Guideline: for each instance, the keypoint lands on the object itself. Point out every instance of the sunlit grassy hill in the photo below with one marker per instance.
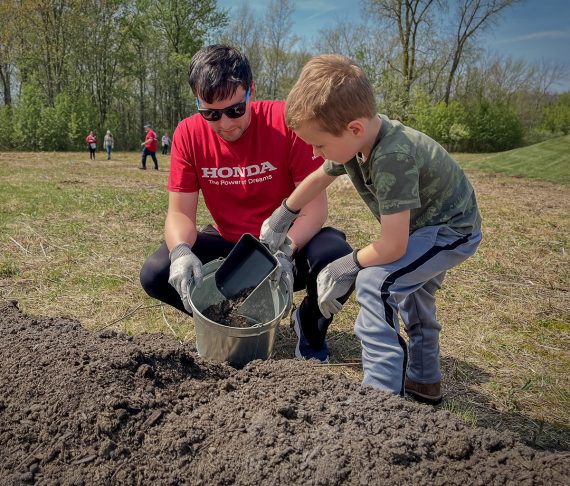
(548, 160)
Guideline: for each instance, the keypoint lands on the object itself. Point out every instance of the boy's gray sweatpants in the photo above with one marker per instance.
(408, 285)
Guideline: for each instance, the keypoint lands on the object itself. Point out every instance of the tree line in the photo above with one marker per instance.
(71, 66)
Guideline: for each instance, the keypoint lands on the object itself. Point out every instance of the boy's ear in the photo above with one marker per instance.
(356, 127)
(252, 89)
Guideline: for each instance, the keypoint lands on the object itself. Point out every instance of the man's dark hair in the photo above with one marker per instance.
(216, 71)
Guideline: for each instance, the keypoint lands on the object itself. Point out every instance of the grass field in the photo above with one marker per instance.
(548, 160)
(74, 233)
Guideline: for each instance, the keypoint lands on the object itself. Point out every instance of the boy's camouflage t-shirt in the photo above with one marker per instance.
(407, 169)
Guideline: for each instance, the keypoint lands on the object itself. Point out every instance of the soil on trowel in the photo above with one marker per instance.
(82, 408)
(226, 312)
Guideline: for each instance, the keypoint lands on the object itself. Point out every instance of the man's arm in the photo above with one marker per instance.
(393, 241)
(180, 234)
(146, 142)
(180, 225)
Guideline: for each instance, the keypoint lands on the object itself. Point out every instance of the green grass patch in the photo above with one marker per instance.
(548, 161)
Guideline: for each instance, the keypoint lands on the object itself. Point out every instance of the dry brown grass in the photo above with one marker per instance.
(73, 235)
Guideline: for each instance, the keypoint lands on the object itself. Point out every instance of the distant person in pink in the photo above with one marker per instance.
(91, 141)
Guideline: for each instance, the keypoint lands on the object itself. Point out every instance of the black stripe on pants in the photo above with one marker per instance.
(391, 279)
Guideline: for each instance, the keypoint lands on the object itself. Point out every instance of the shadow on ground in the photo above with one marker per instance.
(464, 397)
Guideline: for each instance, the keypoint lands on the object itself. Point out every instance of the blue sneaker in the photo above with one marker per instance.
(304, 349)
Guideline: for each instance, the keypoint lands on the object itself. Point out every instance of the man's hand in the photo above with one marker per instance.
(334, 281)
(285, 272)
(274, 229)
(184, 267)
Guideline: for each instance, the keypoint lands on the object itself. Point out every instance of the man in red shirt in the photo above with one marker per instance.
(149, 145)
(245, 161)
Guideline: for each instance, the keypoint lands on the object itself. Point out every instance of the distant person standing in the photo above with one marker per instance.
(109, 143)
(91, 141)
(149, 145)
(165, 143)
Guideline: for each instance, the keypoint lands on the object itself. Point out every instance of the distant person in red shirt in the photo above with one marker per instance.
(149, 145)
(91, 141)
(245, 161)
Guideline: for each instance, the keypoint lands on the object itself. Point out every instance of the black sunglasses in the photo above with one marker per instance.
(234, 111)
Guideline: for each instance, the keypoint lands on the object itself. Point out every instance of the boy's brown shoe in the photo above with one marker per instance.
(426, 393)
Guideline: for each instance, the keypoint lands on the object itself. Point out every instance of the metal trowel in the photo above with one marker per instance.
(245, 268)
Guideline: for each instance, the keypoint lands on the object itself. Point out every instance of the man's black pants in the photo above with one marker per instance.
(146, 152)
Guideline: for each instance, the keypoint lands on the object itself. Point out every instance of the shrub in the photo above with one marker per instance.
(7, 141)
(27, 117)
(444, 123)
(493, 127)
(556, 117)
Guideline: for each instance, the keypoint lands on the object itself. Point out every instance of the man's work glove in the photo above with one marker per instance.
(334, 281)
(274, 229)
(284, 271)
(185, 267)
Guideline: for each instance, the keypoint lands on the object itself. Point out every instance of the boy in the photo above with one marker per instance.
(423, 200)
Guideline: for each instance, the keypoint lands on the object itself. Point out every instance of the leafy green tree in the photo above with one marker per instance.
(445, 123)
(493, 127)
(182, 27)
(556, 117)
(82, 119)
(6, 128)
(27, 116)
(53, 130)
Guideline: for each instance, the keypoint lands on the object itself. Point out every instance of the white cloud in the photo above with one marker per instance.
(547, 34)
(315, 9)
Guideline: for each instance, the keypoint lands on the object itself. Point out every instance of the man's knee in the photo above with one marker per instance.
(155, 270)
(326, 246)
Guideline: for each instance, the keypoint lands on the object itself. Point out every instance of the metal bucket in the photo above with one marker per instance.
(264, 308)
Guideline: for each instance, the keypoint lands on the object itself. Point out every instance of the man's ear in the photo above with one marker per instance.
(356, 127)
(252, 89)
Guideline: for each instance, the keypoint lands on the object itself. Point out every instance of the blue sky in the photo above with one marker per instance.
(534, 30)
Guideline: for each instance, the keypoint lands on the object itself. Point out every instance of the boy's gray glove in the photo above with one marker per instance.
(284, 272)
(184, 267)
(334, 281)
(274, 229)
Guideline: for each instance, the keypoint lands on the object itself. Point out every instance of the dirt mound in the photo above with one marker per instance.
(84, 408)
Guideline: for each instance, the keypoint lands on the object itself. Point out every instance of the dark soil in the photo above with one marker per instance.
(85, 408)
(226, 312)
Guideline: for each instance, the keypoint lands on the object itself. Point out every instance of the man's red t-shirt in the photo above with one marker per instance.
(243, 181)
(152, 145)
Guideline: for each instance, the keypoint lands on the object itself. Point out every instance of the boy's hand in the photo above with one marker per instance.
(334, 281)
(274, 229)
(184, 267)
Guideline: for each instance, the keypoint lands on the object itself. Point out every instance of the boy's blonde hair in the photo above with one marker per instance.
(331, 91)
